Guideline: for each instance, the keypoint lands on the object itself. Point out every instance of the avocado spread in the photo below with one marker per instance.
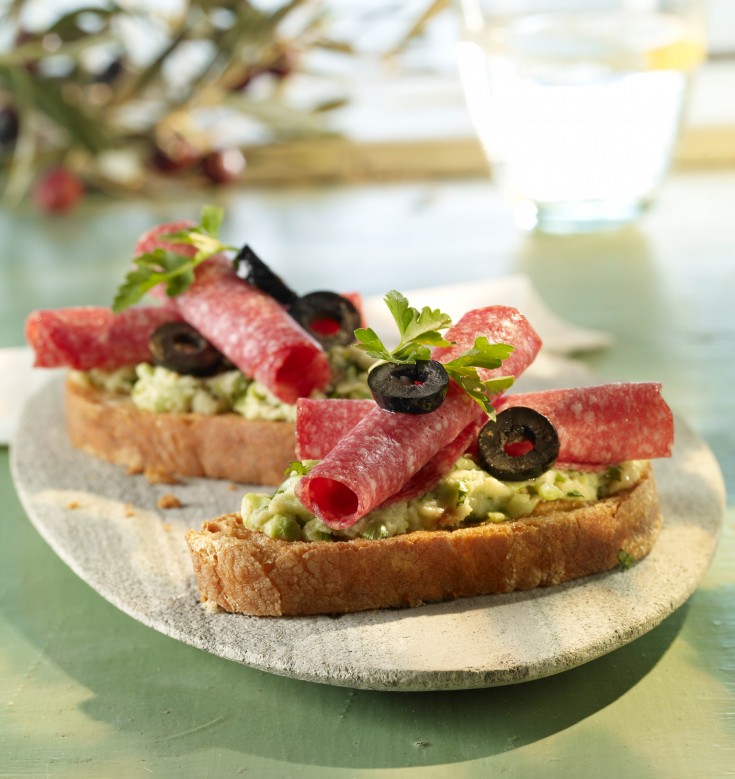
(154, 388)
(466, 496)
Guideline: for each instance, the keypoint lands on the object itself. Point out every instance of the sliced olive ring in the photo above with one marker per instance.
(179, 347)
(516, 429)
(409, 389)
(251, 268)
(328, 317)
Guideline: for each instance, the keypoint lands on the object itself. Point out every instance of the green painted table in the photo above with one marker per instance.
(85, 691)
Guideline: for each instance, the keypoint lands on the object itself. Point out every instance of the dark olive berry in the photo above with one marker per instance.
(410, 389)
(329, 317)
(179, 347)
(223, 166)
(520, 444)
(110, 73)
(8, 126)
(252, 269)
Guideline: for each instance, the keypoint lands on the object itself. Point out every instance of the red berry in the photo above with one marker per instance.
(223, 166)
(58, 190)
(177, 155)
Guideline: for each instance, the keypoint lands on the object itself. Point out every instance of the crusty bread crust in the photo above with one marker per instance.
(248, 572)
(166, 446)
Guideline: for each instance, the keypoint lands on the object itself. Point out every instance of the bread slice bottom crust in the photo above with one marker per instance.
(250, 573)
(166, 446)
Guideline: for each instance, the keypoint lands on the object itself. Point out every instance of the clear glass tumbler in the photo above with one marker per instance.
(578, 103)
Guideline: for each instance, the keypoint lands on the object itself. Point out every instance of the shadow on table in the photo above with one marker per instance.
(172, 702)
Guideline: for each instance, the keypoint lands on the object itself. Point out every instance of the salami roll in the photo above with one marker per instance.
(152, 240)
(246, 325)
(379, 455)
(500, 325)
(385, 450)
(320, 423)
(93, 337)
(439, 465)
(604, 424)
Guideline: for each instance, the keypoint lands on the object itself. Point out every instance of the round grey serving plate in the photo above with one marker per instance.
(105, 525)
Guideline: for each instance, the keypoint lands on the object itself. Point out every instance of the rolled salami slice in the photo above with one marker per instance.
(500, 325)
(321, 422)
(246, 325)
(93, 337)
(605, 424)
(439, 465)
(384, 450)
(152, 239)
(379, 455)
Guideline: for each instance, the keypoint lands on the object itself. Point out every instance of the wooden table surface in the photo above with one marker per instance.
(85, 691)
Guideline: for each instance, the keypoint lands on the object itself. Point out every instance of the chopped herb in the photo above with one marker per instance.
(420, 330)
(299, 468)
(625, 559)
(376, 530)
(166, 266)
(574, 494)
(614, 473)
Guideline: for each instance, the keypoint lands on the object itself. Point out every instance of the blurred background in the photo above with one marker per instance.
(142, 98)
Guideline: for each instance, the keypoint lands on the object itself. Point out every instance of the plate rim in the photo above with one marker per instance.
(345, 675)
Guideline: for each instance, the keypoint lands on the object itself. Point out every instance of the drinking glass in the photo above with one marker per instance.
(578, 103)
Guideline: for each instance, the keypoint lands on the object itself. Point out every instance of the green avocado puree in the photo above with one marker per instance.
(157, 389)
(466, 496)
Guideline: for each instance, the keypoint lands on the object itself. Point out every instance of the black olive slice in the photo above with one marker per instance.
(327, 316)
(179, 347)
(409, 389)
(520, 444)
(251, 268)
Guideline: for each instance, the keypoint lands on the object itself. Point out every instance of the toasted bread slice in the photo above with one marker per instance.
(165, 446)
(250, 573)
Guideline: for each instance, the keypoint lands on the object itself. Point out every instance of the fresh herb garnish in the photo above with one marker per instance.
(420, 330)
(614, 473)
(299, 468)
(166, 266)
(625, 558)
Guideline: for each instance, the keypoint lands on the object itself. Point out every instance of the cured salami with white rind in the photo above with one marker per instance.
(90, 337)
(379, 455)
(249, 327)
(321, 422)
(385, 450)
(605, 424)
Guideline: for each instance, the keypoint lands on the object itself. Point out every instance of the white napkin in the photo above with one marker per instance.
(553, 367)
(558, 336)
(19, 380)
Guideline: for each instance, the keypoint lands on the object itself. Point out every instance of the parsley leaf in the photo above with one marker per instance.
(299, 468)
(419, 326)
(625, 559)
(164, 266)
(420, 330)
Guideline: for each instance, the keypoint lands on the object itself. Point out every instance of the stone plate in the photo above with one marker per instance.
(105, 525)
